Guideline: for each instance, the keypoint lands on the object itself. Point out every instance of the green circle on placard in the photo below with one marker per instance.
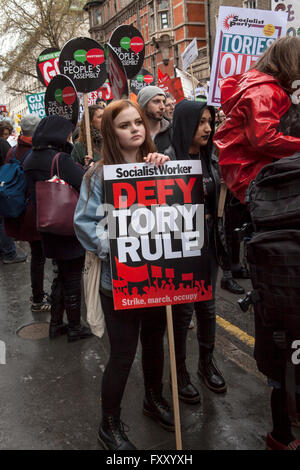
(58, 95)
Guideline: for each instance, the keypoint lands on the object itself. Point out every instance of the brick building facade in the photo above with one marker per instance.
(168, 26)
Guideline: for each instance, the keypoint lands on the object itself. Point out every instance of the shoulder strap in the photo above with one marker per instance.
(26, 154)
(55, 162)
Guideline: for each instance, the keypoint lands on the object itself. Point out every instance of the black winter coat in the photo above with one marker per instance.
(187, 116)
(50, 137)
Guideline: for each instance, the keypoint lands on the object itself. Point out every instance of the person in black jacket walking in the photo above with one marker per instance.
(51, 137)
(193, 127)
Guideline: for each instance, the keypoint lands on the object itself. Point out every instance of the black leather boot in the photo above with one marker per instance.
(78, 332)
(232, 286)
(112, 435)
(157, 408)
(57, 327)
(187, 392)
(209, 371)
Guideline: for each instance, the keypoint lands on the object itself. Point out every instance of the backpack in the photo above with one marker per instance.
(273, 254)
(274, 195)
(13, 200)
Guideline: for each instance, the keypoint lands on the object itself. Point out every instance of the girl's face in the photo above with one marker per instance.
(203, 130)
(129, 129)
(97, 118)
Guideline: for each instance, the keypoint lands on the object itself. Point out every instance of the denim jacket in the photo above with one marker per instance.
(89, 230)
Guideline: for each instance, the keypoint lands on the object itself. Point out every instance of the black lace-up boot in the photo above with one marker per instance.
(157, 408)
(209, 371)
(112, 434)
(187, 392)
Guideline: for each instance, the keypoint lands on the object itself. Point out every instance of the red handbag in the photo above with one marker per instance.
(55, 205)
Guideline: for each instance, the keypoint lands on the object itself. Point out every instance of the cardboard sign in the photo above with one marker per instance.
(129, 44)
(47, 65)
(142, 79)
(116, 74)
(61, 99)
(156, 233)
(36, 104)
(292, 10)
(242, 36)
(190, 54)
(173, 86)
(82, 60)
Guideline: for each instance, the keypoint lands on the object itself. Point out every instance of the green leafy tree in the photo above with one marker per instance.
(26, 29)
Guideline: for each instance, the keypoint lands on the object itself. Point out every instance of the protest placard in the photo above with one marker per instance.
(47, 65)
(142, 79)
(190, 54)
(129, 45)
(36, 104)
(242, 36)
(156, 233)
(116, 74)
(292, 10)
(61, 99)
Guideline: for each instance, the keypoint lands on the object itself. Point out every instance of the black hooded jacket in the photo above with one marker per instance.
(50, 137)
(186, 119)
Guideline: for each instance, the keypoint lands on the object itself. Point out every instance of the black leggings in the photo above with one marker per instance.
(123, 327)
(37, 266)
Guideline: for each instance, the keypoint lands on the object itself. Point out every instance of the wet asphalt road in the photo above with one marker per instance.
(50, 390)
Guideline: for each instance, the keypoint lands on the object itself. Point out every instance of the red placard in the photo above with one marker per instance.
(174, 87)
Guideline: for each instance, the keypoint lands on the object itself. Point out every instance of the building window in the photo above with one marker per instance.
(250, 4)
(98, 17)
(163, 4)
(164, 20)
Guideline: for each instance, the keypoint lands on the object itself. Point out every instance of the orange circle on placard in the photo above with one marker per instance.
(269, 30)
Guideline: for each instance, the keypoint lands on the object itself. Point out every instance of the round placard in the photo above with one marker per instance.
(61, 99)
(129, 44)
(142, 79)
(82, 60)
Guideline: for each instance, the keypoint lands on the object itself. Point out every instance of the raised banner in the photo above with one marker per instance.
(156, 232)
(242, 36)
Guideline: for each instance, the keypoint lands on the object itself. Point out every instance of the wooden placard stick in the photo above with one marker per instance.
(87, 125)
(174, 378)
(194, 89)
(222, 198)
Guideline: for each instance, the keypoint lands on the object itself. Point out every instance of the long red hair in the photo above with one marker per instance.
(111, 152)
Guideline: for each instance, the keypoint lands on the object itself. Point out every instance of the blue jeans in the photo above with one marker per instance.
(7, 244)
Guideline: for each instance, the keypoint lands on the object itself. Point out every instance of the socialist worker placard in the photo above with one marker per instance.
(157, 234)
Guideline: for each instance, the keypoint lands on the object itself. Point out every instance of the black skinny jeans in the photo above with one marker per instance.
(205, 313)
(66, 291)
(123, 328)
(37, 266)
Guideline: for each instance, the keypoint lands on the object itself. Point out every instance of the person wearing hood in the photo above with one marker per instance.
(253, 103)
(152, 101)
(52, 136)
(193, 128)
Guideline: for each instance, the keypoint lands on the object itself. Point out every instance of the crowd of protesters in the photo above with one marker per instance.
(154, 131)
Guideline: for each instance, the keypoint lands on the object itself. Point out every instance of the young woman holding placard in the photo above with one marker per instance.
(126, 139)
